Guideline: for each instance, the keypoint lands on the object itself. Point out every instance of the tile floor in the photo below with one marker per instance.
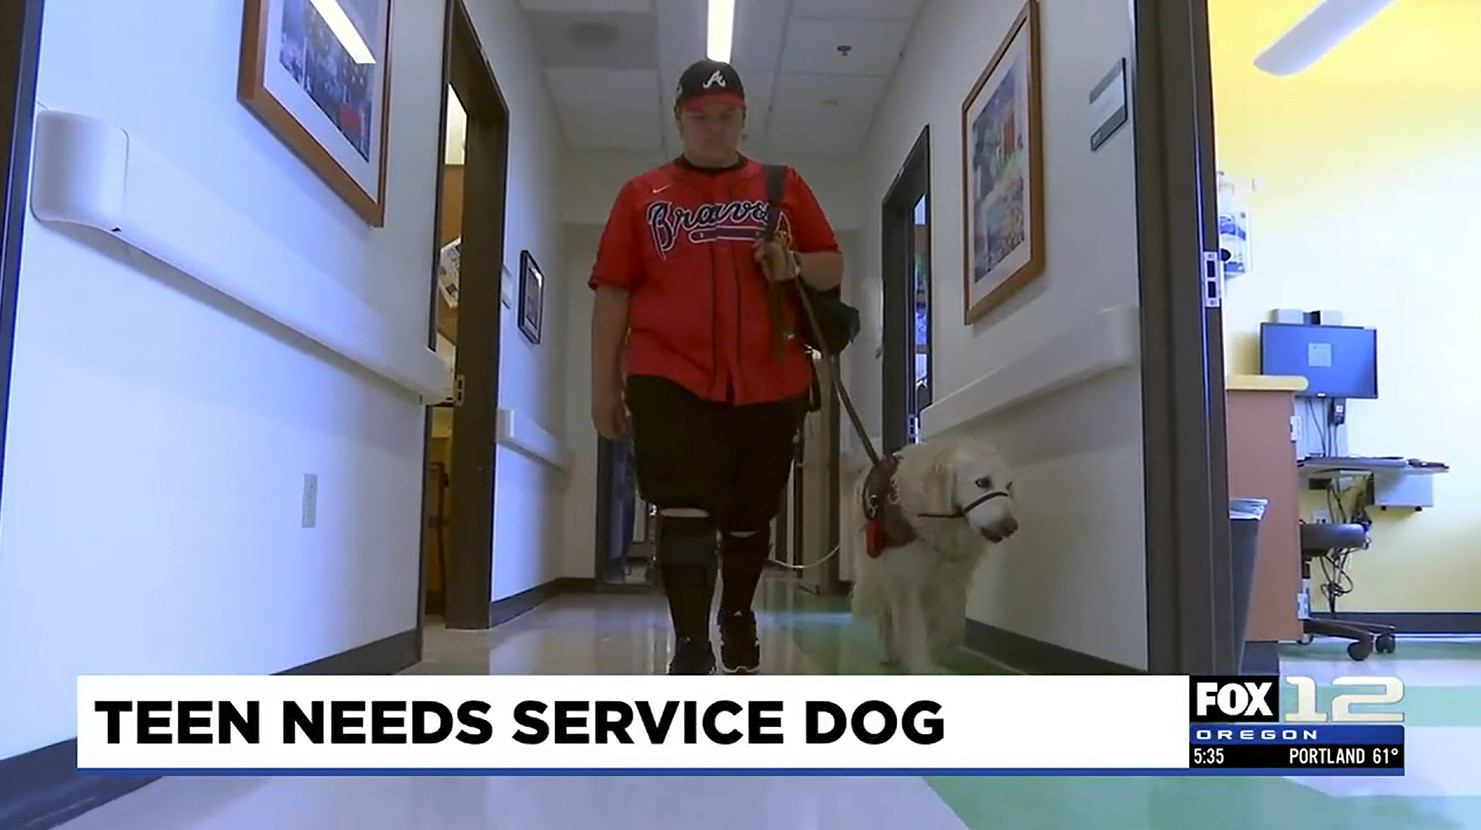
(803, 635)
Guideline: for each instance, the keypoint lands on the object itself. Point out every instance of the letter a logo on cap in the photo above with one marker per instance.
(717, 78)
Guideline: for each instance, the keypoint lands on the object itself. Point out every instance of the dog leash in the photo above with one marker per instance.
(835, 378)
(836, 381)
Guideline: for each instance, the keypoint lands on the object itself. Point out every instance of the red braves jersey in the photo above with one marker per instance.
(679, 241)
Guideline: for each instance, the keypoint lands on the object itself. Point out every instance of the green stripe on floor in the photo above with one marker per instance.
(838, 644)
(1422, 649)
(1187, 804)
(1422, 706)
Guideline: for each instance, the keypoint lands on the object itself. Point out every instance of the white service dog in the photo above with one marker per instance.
(931, 511)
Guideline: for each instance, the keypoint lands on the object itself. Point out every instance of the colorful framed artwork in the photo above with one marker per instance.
(1003, 175)
(317, 72)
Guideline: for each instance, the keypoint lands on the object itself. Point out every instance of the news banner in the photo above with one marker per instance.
(1143, 725)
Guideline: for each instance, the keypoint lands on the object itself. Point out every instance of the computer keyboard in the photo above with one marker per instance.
(1363, 461)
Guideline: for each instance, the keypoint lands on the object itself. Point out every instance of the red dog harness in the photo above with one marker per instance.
(885, 523)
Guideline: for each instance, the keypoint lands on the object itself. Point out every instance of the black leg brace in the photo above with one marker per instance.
(686, 541)
(742, 560)
(687, 558)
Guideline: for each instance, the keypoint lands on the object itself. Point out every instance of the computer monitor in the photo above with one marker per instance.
(1337, 361)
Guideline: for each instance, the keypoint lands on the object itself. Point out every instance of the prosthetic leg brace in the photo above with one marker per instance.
(686, 559)
(743, 556)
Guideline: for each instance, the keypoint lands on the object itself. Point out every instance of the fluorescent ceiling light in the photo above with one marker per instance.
(339, 23)
(721, 30)
(1317, 33)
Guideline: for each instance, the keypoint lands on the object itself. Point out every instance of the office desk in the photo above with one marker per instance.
(1261, 431)
(1262, 464)
(1396, 482)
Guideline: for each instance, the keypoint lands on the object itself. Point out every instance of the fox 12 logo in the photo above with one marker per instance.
(1256, 699)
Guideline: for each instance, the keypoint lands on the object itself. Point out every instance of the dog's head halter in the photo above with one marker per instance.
(961, 512)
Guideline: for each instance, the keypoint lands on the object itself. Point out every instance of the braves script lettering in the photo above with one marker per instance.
(737, 221)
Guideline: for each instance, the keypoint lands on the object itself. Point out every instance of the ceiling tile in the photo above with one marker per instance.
(634, 91)
(758, 34)
(681, 36)
(585, 130)
(822, 113)
(757, 38)
(607, 109)
(802, 91)
(857, 9)
(586, 5)
(840, 129)
(812, 46)
(758, 103)
(587, 40)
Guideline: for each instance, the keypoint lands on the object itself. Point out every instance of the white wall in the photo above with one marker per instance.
(1075, 574)
(158, 437)
(580, 500)
(527, 541)
(590, 182)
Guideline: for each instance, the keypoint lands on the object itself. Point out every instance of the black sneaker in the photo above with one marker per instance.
(740, 652)
(692, 656)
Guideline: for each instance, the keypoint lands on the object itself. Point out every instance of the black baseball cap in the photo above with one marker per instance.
(710, 81)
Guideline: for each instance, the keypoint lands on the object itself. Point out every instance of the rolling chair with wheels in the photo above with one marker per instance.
(1320, 540)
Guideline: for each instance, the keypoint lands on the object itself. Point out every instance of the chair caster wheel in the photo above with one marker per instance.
(1359, 649)
(1385, 643)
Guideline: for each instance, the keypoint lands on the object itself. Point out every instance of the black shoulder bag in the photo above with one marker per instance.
(831, 324)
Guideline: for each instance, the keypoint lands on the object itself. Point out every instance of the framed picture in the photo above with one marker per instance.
(531, 297)
(1234, 227)
(1003, 172)
(317, 72)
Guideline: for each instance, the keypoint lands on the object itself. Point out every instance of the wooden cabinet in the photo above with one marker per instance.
(1262, 465)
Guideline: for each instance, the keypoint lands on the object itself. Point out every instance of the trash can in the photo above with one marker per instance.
(1244, 531)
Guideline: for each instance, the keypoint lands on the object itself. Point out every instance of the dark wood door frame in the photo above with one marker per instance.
(20, 46)
(469, 589)
(616, 506)
(606, 512)
(897, 368)
(1190, 623)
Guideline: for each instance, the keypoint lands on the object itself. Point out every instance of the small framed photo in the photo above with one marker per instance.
(531, 297)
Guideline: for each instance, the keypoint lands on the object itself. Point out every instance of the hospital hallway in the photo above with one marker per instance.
(804, 634)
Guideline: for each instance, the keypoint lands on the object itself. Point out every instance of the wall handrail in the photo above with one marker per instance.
(1108, 341)
(521, 433)
(88, 172)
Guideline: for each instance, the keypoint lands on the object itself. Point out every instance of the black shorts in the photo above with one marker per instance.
(730, 461)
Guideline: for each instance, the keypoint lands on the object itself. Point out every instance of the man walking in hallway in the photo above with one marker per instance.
(717, 382)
